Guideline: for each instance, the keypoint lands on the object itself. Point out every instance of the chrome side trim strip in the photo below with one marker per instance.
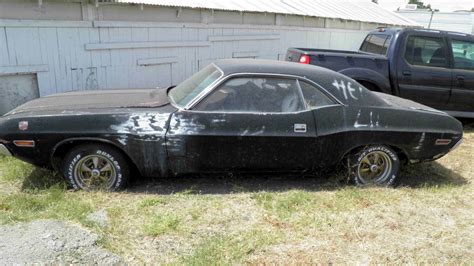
(4, 150)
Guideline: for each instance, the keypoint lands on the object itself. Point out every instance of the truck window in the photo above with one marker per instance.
(463, 53)
(426, 51)
(376, 44)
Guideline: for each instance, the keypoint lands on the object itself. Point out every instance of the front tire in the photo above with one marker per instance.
(96, 167)
(375, 165)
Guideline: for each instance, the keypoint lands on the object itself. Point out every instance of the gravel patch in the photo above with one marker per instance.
(47, 241)
(100, 218)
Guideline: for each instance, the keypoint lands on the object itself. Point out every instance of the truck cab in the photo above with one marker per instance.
(435, 68)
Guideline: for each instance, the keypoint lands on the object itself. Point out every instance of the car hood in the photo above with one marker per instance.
(95, 100)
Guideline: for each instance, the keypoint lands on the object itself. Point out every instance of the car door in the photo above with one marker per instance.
(424, 73)
(462, 96)
(246, 123)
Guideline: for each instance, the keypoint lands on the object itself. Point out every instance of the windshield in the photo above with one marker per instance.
(193, 86)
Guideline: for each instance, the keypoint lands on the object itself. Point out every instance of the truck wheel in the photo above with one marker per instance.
(95, 167)
(376, 165)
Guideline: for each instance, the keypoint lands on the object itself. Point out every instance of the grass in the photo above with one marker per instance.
(266, 220)
(227, 249)
(161, 224)
(52, 204)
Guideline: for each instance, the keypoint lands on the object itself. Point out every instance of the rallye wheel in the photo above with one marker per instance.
(376, 165)
(96, 167)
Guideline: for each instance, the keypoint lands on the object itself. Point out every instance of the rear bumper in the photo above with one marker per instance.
(457, 144)
(4, 150)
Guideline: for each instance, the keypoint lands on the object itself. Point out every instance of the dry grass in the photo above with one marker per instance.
(288, 219)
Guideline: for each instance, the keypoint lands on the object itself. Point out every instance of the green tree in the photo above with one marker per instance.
(420, 4)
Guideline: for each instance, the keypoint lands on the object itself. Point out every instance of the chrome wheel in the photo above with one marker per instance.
(375, 168)
(95, 172)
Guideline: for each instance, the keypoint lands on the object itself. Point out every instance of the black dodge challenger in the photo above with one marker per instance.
(233, 115)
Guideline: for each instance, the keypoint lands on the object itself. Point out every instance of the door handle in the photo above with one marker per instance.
(406, 73)
(300, 128)
(460, 79)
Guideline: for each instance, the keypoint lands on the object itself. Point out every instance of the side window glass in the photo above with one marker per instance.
(366, 43)
(463, 53)
(376, 44)
(386, 45)
(254, 94)
(426, 51)
(314, 97)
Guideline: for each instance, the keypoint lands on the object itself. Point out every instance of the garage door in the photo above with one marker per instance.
(16, 90)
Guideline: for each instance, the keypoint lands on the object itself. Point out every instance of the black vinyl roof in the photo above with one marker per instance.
(345, 89)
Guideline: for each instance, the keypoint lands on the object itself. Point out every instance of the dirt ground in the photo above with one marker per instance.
(47, 241)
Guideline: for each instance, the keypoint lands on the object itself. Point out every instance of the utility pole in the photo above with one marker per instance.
(431, 18)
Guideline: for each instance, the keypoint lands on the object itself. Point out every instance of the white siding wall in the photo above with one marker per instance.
(99, 52)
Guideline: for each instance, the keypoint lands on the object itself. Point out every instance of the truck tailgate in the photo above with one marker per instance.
(341, 60)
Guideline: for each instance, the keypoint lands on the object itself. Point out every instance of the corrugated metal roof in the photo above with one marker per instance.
(357, 10)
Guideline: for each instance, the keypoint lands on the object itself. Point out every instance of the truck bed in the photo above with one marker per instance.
(338, 60)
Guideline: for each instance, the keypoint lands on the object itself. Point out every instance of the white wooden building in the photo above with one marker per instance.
(56, 46)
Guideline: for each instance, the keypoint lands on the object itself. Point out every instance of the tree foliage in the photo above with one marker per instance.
(420, 4)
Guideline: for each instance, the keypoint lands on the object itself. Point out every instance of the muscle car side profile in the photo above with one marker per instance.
(233, 115)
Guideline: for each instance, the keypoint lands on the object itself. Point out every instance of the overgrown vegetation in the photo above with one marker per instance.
(261, 219)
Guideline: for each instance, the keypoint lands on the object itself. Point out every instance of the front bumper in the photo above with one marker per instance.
(4, 150)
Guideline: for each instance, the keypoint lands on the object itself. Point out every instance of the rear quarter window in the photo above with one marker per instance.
(313, 97)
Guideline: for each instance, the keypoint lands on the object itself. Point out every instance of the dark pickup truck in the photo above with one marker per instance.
(435, 68)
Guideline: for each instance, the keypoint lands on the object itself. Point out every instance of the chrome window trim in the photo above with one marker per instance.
(223, 79)
(204, 92)
(4, 150)
(300, 92)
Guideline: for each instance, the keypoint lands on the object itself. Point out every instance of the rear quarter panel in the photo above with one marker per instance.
(342, 129)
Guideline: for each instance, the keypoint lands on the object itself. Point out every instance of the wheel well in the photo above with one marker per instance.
(402, 156)
(63, 148)
(369, 85)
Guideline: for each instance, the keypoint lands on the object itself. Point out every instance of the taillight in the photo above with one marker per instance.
(304, 59)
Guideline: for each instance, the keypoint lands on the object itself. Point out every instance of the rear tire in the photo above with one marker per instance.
(95, 167)
(375, 165)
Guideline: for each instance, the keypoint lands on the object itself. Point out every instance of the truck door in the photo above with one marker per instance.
(423, 72)
(462, 95)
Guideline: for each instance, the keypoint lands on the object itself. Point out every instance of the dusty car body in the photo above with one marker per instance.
(291, 117)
